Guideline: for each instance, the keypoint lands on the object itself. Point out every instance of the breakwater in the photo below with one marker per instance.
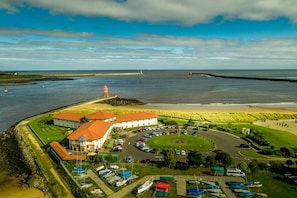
(243, 77)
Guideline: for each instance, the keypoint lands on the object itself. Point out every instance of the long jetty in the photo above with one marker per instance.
(242, 77)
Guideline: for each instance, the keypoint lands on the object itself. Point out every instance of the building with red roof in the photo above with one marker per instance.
(69, 119)
(92, 130)
(90, 136)
(102, 115)
(139, 119)
(61, 153)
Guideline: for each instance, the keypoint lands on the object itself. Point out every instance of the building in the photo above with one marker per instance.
(61, 154)
(69, 119)
(132, 120)
(92, 130)
(90, 136)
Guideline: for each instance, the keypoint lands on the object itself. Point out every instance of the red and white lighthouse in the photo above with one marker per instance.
(105, 91)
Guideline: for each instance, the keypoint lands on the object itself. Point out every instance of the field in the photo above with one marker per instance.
(182, 142)
(45, 130)
(274, 185)
(277, 138)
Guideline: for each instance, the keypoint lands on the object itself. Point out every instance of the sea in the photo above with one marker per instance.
(154, 87)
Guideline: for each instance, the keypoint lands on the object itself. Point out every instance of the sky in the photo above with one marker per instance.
(147, 34)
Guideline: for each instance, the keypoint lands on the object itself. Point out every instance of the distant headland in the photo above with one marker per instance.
(242, 77)
(15, 78)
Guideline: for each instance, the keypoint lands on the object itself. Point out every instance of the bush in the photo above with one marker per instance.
(267, 152)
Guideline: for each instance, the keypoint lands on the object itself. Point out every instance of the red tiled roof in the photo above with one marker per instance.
(101, 115)
(135, 116)
(69, 116)
(91, 130)
(63, 154)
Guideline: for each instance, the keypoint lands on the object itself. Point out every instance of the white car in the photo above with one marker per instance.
(182, 152)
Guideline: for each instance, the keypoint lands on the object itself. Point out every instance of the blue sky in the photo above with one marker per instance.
(147, 34)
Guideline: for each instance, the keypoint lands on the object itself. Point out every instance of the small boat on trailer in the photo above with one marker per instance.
(145, 186)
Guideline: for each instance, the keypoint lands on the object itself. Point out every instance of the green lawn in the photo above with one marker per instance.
(274, 185)
(253, 154)
(276, 138)
(44, 128)
(183, 142)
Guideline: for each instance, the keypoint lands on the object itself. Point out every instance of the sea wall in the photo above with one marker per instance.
(17, 160)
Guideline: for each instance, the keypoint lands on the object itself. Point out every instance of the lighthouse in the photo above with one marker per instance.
(105, 91)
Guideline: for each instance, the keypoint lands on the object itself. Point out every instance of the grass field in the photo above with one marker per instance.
(274, 185)
(47, 132)
(182, 142)
(276, 138)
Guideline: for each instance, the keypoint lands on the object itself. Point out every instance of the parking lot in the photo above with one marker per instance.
(223, 141)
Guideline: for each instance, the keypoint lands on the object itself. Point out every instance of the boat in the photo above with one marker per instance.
(5, 90)
(212, 187)
(195, 191)
(262, 194)
(239, 190)
(104, 174)
(219, 195)
(213, 190)
(256, 184)
(238, 187)
(145, 186)
(246, 194)
(234, 183)
(121, 182)
(113, 179)
(79, 170)
(99, 168)
(209, 183)
(167, 179)
(103, 171)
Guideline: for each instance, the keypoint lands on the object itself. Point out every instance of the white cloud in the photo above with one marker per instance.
(51, 33)
(186, 12)
(157, 52)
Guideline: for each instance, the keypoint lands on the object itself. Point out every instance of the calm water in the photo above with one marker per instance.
(153, 87)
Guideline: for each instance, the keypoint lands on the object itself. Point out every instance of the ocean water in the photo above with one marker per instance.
(154, 87)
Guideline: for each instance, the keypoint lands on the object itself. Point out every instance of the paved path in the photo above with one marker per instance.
(99, 182)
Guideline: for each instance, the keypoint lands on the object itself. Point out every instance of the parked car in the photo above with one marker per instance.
(245, 146)
(117, 149)
(124, 136)
(183, 152)
(177, 152)
(129, 159)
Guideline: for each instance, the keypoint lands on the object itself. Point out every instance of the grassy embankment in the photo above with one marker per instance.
(44, 161)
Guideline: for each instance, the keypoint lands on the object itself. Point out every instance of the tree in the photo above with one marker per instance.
(170, 158)
(224, 159)
(253, 165)
(289, 162)
(195, 158)
(287, 152)
(244, 167)
(210, 160)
